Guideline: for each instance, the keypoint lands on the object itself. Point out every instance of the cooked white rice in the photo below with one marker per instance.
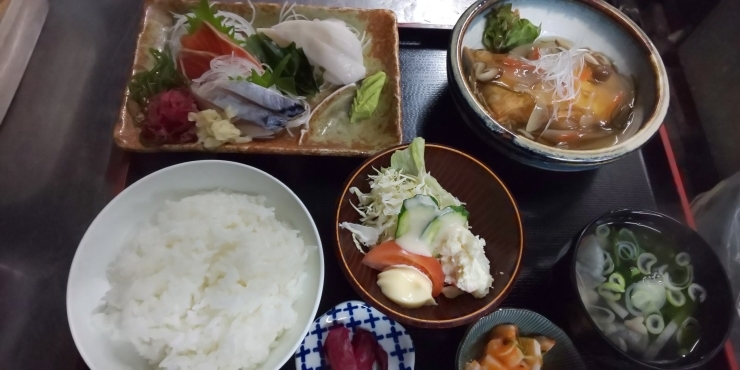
(210, 285)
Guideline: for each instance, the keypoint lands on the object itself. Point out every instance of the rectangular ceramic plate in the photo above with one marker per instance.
(322, 138)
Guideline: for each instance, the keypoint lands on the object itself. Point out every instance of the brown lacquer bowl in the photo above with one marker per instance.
(493, 215)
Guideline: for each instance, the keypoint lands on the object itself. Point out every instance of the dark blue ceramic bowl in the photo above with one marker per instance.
(594, 24)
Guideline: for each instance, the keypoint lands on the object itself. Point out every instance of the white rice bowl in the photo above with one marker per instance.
(210, 285)
(132, 301)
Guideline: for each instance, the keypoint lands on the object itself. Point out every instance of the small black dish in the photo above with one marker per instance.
(716, 313)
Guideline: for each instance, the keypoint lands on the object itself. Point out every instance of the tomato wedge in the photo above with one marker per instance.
(389, 254)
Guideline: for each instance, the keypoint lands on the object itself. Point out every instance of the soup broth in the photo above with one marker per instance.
(640, 291)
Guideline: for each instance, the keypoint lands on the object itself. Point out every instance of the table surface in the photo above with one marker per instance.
(56, 145)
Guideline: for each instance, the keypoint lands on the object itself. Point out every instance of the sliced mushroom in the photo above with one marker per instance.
(602, 58)
(591, 59)
(484, 74)
(601, 73)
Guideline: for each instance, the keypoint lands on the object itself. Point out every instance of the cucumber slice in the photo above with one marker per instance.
(450, 216)
(415, 214)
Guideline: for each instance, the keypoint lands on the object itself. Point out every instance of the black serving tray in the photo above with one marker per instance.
(554, 205)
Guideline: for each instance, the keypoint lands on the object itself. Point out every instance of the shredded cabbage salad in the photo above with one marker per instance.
(389, 187)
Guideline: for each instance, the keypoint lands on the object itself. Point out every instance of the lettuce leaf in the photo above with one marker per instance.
(505, 30)
(410, 160)
(366, 100)
(444, 198)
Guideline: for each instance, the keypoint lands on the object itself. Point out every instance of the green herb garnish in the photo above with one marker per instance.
(291, 71)
(269, 78)
(368, 95)
(505, 30)
(162, 77)
(207, 13)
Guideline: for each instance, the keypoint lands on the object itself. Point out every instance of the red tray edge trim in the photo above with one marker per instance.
(117, 171)
(685, 205)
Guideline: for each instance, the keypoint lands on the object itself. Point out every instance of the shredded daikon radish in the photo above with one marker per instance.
(365, 42)
(559, 68)
(242, 27)
(227, 67)
(254, 12)
(288, 13)
(175, 32)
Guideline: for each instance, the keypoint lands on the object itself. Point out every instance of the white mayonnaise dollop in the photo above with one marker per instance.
(406, 286)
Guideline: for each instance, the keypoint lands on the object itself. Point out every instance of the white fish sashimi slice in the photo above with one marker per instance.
(327, 43)
(264, 97)
(210, 94)
(249, 112)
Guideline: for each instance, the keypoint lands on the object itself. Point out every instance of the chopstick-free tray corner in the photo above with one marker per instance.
(382, 130)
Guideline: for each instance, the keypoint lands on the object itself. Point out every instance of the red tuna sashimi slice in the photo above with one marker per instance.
(193, 63)
(207, 38)
(381, 356)
(339, 349)
(363, 344)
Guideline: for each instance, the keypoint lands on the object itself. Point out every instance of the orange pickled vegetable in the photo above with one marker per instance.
(491, 363)
(507, 351)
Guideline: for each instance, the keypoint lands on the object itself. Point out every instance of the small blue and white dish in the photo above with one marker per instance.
(394, 339)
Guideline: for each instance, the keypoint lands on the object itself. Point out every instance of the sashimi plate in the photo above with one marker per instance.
(394, 339)
(323, 136)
